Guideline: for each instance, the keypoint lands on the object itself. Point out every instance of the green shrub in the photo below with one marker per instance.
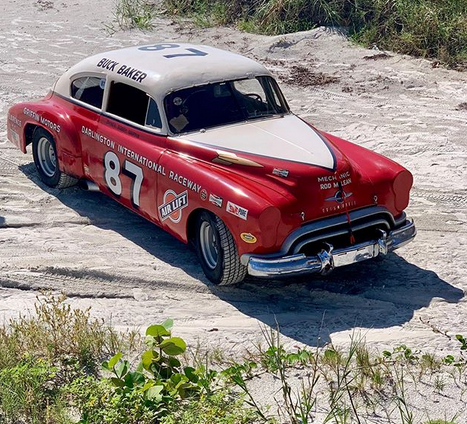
(43, 352)
(148, 393)
(218, 408)
(61, 335)
(97, 402)
(131, 14)
(427, 28)
(28, 392)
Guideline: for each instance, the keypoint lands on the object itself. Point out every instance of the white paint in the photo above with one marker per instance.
(165, 74)
(287, 138)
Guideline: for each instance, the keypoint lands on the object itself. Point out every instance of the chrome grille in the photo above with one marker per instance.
(365, 226)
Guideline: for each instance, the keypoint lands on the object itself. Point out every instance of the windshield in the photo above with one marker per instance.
(211, 105)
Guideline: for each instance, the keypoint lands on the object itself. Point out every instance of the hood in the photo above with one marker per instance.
(292, 158)
(287, 138)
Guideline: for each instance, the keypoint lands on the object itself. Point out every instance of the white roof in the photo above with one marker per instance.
(164, 67)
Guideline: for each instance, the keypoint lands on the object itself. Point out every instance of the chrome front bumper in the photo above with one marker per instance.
(328, 258)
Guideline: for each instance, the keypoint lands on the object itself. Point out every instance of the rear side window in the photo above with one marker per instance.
(89, 90)
(153, 118)
(133, 104)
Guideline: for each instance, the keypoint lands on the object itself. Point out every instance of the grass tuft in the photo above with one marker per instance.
(51, 372)
(61, 335)
(426, 28)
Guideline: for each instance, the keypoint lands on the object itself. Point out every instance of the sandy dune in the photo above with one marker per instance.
(134, 274)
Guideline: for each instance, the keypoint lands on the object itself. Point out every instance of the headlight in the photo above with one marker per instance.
(401, 187)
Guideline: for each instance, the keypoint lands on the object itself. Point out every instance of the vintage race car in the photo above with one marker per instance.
(201, 142)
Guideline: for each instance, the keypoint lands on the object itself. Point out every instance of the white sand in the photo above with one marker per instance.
(134, 274)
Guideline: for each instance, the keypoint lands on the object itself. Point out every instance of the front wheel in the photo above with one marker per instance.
(217, 251)
(46, 161)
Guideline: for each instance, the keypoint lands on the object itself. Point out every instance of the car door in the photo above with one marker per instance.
(87, 96)
(123, 154)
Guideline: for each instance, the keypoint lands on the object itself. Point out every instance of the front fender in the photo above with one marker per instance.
(391, 181)
(247, 209)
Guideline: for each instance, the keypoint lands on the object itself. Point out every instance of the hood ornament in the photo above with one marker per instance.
(228, 158)
(339, 197)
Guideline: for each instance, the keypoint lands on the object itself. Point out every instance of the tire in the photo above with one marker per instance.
(217, 251)
(45, 157)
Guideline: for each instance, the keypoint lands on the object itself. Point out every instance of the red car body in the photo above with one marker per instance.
(285, 216)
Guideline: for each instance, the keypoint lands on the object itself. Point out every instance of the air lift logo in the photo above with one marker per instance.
(173, 205)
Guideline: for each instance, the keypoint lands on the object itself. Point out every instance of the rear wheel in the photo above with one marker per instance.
(217, 251)
(44, 153)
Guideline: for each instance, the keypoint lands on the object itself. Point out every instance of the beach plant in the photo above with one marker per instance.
(29, 391)
(42, 381)
(63, 335)
(159, 378)
(426, 28)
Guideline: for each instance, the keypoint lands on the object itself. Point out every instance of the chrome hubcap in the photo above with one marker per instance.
(46, 156)
(208, 244)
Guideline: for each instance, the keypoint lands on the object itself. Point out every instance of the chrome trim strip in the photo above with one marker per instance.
(328, 258)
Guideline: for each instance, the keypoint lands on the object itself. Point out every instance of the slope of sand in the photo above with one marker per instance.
(134, 274)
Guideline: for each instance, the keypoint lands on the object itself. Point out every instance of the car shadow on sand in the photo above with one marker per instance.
(374, 294)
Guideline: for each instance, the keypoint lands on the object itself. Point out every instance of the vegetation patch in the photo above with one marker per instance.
(426, 28)
(60, 366)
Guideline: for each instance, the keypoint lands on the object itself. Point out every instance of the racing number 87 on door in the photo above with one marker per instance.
(112, 176)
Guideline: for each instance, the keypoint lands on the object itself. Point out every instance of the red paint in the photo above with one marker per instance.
(276, 205)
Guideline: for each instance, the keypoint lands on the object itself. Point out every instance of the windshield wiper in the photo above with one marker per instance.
(266, 115)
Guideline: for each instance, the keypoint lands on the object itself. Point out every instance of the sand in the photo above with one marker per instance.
(134, 274)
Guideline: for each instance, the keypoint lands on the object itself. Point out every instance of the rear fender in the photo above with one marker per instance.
(25, 118)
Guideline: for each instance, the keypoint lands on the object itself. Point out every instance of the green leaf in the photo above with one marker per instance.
(237, 379)
(113, 361)
(154, 393)
(462, 340)
(173, 362)
(148, 384)
(191, 374)
(157, 331)
(330, 354)
(177, 379)
(117, 382)
(147, 358)
(173, 346)
(133, 379)
(168, 324)
(150, 341)
(121, 369)
(449, 360)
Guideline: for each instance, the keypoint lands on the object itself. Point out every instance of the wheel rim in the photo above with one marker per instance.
(46, 156)
(208, 244)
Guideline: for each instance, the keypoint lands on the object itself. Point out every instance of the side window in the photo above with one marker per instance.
(153, 117)
(133, 104)
(249, 86)
(89, 90)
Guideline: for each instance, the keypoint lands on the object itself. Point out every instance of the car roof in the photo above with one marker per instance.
(161, 68)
